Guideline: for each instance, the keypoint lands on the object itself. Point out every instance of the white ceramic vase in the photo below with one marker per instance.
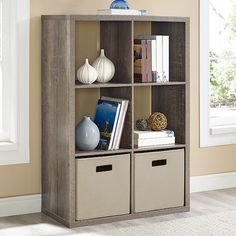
(87, 135)
(86, 74)
(104, 67)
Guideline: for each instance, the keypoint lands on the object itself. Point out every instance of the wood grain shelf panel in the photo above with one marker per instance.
(100, 152)
(159, 84)
(171, 101)
(115, 18)
(177, 45)
(161, 147)
(119, 85)
(101, 85)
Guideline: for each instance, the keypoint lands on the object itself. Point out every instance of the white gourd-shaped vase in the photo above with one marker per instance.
(86, 74)
(104, 67)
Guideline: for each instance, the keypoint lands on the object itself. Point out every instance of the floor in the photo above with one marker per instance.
(221, 203)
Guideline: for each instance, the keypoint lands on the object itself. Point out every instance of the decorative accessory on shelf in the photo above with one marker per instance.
(86, 74)
(142, 124)
(104, 67)
(87, 135)
(157, 121)
(119, 4)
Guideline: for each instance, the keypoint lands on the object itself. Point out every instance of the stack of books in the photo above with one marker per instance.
(151, 59)
(153, 138)
(110, 117)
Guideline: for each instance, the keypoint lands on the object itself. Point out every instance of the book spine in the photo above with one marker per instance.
(139, 60)
(159, 54)
(118, 125)
(153, 56)
(144, 61)
(114, 127)
(122, 125)
(165, 53)
(149, 61)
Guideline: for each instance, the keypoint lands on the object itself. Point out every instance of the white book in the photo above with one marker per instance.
(120, 12)
(159, 59)
(120, 121)
(153, 58)
(153, 134)
(114, 127)
(121, 126)
(165, 58)
(154, 141)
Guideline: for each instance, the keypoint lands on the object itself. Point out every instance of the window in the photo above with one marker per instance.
(1, 90)
(218, 72)
(14, 81)
(6, 76)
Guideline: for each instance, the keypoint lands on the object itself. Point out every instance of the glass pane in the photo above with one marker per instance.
(222, 62)
(1, 30)
(1, 99)
(1, 115)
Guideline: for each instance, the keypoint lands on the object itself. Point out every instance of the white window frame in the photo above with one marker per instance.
(15, 149)
(209, 136)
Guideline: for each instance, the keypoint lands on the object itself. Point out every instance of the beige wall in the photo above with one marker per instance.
(25, 179)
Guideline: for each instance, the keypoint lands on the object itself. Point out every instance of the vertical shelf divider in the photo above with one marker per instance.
(133, 124)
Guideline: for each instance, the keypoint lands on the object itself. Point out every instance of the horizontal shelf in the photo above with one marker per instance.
(119, 85)
(101, 85)
(116, 18)
(137, 215)
(120, 151)
(100, 152)
(161, 147)
(160, 84)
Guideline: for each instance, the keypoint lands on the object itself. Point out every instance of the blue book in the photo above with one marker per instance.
(106, 116)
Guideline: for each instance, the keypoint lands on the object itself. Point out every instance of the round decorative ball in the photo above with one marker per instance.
(87, 135)
(119, 4)
(157, 121)
(142, 124)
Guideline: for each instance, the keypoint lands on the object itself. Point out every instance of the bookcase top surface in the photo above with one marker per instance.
(115, 18)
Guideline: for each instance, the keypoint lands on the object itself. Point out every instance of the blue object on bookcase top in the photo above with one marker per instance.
(119, 4)
(105, 119)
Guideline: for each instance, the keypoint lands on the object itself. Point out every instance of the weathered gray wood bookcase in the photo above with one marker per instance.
(139, 184)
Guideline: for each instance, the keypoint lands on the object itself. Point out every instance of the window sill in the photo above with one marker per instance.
(229, 129)
(13, 153)
(7, 146)
(219, 138)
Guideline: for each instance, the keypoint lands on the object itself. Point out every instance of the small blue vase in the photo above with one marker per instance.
(119, 4)
(87, 135)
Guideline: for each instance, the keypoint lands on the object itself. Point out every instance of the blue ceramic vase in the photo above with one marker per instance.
(87, 135)
(119, 4)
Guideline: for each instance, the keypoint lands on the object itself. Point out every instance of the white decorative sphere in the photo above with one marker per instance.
(86, 74)
(104, 67)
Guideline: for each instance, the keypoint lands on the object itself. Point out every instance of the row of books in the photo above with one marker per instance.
(110, 117)
(151, 59)
(153, 138)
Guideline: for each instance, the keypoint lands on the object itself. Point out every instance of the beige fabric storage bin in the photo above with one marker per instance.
(159, 180)
(102, 186)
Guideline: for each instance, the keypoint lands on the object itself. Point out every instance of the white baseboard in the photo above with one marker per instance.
(212, 182)
(20, 205)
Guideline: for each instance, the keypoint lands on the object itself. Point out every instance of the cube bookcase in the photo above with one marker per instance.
(90, 187)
